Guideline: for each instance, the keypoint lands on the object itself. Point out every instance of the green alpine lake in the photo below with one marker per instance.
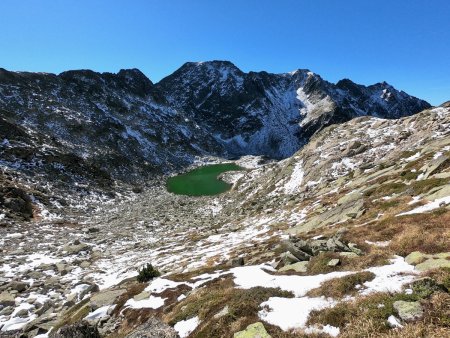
(202, 181)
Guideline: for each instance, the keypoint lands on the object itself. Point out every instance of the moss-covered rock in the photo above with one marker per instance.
(425, 262)
(255, 330)
(431, 263)
(408, 311)
(416, 257)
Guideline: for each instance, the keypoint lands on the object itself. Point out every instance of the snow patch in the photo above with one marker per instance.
(152, 303)
(185, 327)
(295, 180)
(428, 207)
(291, 313)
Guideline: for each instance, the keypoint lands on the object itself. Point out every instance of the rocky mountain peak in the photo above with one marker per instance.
(274, 114)
(219, 75)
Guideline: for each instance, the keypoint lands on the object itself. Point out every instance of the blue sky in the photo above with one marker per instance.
(403, 42)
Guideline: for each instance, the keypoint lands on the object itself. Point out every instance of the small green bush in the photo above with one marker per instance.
(147, 273)
(409, 175)
(420, 187)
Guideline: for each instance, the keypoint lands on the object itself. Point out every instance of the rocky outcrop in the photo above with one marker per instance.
(79, 330)
(153, 328)
(408, 311)
(425, 262)
(256, 330)
(304, 249)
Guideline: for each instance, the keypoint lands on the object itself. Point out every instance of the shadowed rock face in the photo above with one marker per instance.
(78, 330)
(275, 114)
(153, 328)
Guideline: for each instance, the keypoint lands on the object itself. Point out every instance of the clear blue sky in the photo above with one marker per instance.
(404, 42)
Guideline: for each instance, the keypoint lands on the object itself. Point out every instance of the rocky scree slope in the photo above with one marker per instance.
(348, 223)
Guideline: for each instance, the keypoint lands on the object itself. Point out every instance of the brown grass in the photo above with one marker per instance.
(420, 187)
(340, 287)
(417, 164)
(133, 289)
(386, 189)
(372, 257)
(441, 276)
(367, 316)
(428, 233)
(243, 305)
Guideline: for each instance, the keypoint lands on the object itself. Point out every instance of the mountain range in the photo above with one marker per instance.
(128, 128)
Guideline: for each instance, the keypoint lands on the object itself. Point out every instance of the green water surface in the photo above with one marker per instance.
(202, 181)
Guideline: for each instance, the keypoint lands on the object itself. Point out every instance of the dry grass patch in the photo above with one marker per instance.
(423, 186)
(427, 233)
(133, 289)
(419, 330)
(419, 163)
(344, 286)
(367, 316)
(373, 257)
(243, 306)
(373, 310)
(319, 264)
(386, 189)
(387, 208)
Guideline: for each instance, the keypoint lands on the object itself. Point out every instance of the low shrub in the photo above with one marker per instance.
(147, 273)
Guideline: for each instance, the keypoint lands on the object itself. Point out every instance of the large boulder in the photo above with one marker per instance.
(75, 248)
(416, 257)
(256, 330)
(408, 311)
(18, 286)
(78, 330)
(17, 202)
(297, 267)
(295, 250)
(425, 262)
(431, 264)
(105, 298)
(6, 299)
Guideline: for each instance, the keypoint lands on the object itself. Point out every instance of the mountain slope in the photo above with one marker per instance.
(353, 220)
(119, 120)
